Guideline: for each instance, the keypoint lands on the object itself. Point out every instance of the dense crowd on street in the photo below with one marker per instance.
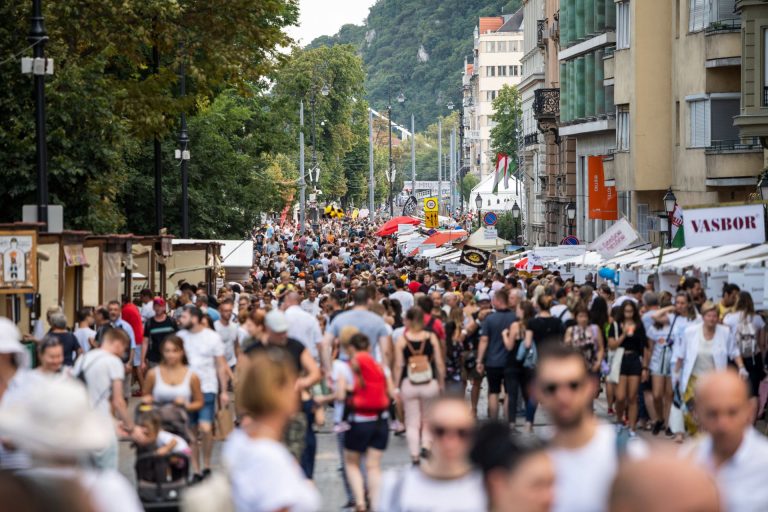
(336, 329)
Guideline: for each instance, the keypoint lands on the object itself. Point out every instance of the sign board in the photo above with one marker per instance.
(627, 279)
(724, 225)
(490, 219)
(431, 219)
(569, 240)
(490, 233)
(560, 252)
(755, 285)
(715, 282)
(430, 204)
(668, 283)
(451, 267)
(424, 189)
(18, 262)
(74, 255)
(616, 238)
(474, 257)
(405, 229)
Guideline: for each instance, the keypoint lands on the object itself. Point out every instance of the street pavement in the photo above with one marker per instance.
(327, 462)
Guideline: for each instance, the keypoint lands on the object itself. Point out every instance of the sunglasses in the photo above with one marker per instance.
(441, 432)
(550, 388)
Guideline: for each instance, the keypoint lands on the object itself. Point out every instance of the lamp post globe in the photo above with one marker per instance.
(515, 211)
(325, 90)
(669, 201)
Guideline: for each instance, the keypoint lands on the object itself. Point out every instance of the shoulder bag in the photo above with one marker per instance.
(419, 367)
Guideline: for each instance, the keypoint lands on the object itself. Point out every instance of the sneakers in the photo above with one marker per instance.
(632, 435)
(668, 433)
(657, 427)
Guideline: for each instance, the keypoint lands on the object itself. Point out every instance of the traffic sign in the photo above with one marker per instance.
(569, 240)
(430, 219)
(490, 219)
(430, 204)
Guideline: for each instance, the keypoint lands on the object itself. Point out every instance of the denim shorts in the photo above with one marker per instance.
(206, 414)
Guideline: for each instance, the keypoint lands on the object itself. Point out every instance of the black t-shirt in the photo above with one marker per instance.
(545, 330)
(70, 345)
(156, 332)
(294, 347)
(635, 343)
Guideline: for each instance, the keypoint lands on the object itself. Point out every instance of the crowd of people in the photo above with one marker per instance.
(338, 330)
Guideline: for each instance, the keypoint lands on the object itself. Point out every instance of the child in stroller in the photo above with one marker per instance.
(162, 463)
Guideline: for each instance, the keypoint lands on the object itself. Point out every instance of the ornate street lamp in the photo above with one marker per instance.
(570, 212)
(669, 206)
(479, 205)
(515, 219)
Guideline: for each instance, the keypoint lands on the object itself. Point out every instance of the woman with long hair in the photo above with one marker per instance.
(516, 375)
(454, 348)
(420, 374)
(266, 398)
(706, 347)
(748, 331)
(598, 315)
(627, 332)
(588, 338)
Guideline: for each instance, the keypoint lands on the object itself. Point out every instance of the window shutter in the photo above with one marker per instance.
(642, 220)
(696, 15)
(726, 10)
(700, 131)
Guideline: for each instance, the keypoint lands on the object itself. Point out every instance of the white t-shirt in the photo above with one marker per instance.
(405, 298)
(732, 320)
(164, 438)
(313, 308)
(413, 491)
(584, 476)
(265, 476)
(229, 336)
(101, 369)
(147, 310)
(340, 369)
(83, 334)
(305, 328)
(202, 350)
(561, 309)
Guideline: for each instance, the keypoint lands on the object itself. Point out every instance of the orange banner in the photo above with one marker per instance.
(603, 202)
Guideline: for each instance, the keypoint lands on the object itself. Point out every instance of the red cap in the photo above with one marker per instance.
(414, 286)
(159, 301)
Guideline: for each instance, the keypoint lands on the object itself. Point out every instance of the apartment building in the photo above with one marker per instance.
(498, 48)
(677, 89)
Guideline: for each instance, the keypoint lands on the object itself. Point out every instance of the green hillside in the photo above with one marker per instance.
(417, 47)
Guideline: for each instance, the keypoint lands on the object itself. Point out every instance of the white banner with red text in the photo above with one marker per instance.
(713, 227)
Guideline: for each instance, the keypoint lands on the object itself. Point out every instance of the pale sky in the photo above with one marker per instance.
(325, 17)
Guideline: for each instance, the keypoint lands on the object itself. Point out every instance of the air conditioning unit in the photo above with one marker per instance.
(555, 30)
(545, 34)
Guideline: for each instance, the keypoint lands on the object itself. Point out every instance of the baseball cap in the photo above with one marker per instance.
(275, 321)
(159, 301)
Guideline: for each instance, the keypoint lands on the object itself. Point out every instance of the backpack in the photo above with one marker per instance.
(369, 395)
(746, 336)
(419, 366)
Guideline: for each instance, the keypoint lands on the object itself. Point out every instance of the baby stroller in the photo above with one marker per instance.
(161, 479)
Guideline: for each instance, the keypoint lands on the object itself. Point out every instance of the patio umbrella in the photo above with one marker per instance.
(390, 227)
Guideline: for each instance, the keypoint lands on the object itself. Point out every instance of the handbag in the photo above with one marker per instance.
(419, 367)
(225, 422)
(615, 372)
(527, 356)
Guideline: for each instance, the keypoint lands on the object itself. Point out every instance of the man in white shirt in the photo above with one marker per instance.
(402, 295)
(635, 294)
(205, 353)
(302, 326)
(585, 453)
(732, 451)
(311, 304)
(147, 309)
(227, 328)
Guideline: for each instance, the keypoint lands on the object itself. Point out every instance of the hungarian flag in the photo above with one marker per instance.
(678, 234)
(503, 162)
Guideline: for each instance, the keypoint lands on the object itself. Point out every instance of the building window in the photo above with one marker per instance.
(677, 123)
(490, 47)
(765, 67)
(643, 221)
(490, 71)
(502, 71)
(697, 15)
(720, 10)
(514, 70)
(501, 46)
(514, 46)
(623, 25)
(699, 135)
(622, 128)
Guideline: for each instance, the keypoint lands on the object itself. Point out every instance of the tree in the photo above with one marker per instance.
(469, 182)
(507, 112)
(509, 228)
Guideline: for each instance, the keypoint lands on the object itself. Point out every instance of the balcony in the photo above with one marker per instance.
(546, 104)
(531, 139)
(733, 162)
(541, 26)
(747, 145)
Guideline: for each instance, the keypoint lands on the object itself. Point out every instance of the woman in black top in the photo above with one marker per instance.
(516, 375)
(628, 333)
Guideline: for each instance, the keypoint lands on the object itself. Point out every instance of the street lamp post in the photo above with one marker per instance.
(183, 154)
(515, 218)
(664, 227)
(38, 36)
(314, 171)
(669, 206)
(479, 205)
(570, 212)
(391, 172)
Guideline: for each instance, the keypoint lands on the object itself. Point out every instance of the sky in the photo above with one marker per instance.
(325, 17)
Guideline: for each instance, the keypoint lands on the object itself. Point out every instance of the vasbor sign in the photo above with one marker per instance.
(724, 225)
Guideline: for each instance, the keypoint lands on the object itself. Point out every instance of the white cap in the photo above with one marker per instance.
(9, 342)
(275, 321)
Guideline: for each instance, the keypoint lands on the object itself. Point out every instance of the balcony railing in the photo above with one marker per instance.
(732, 25)
(546, 103)
(531, 139)
(541, 26)
(734, 146)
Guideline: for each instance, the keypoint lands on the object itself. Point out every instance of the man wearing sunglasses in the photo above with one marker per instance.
(586, 453)
(446, 480)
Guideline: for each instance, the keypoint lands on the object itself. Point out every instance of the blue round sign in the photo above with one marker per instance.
(569, 240)
(490, 219)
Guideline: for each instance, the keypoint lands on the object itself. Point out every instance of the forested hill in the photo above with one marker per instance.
(417, 47)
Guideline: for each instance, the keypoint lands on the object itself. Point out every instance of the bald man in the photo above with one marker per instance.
(663, 482)
(732, 451)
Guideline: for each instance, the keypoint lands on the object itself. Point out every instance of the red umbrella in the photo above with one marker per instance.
(441, 238)
(523, 265)
(390, 227)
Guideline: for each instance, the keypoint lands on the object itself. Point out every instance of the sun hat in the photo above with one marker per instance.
(275, 321)
(10, 344)
(56, 420)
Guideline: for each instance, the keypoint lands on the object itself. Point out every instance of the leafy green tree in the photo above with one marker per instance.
(508, 227)
(507, 111)
(469, 182)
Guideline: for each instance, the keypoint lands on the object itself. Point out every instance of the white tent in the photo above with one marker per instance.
(757, 253)
(477, 239)
(695, 259)
(502, 200)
